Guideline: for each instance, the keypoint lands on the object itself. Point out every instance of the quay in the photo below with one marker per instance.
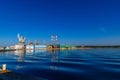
(4, 71)
(54, 45)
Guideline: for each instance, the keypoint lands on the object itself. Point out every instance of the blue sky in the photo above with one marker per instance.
(80, 22)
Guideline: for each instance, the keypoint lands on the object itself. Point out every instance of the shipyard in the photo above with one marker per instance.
(53, 45)
(59, 40)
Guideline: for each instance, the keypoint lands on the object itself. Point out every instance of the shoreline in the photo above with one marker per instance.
(80, 48)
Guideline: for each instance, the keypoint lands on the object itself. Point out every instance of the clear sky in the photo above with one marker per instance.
(86, 22)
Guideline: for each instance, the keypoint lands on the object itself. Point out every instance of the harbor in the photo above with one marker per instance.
(55, 64)
(59, 40)
(53, 45)
(34, 61)
(22, 45)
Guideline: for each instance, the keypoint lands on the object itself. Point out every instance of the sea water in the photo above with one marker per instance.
(86, 64)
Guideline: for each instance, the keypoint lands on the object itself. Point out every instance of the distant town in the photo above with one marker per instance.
(53, 45)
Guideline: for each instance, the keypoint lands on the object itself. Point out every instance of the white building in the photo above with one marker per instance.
(12, 47)
(35, 47)
(30, 47)
(40, 47)
(2, 48)
(19, 46)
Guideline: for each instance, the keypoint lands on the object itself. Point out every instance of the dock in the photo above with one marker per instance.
(4, 71)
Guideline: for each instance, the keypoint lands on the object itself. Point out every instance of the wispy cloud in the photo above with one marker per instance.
(103, 30)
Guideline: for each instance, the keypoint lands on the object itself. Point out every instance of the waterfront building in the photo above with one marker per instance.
(38, 47)
(57, 46)
(50, 47)
(12, 47)
(19, 46)
(63, 46)
(7, 48)
(30, 47)
(2, 48)
(72, 47)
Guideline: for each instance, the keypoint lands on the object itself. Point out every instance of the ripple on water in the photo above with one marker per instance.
(92, 64)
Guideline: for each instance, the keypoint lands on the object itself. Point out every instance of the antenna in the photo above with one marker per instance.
(56, 39)
(52, 39)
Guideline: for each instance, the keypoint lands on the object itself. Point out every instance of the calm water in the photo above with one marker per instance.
(92, 64)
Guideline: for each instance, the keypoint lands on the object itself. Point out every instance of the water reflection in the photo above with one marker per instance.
(53, 58)
(30, 51)
(21, 54)
(67, 64)
(53, 55)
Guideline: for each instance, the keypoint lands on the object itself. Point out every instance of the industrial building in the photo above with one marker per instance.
(33, 45)
(54, 43)
(38, 47)
(30, 47)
